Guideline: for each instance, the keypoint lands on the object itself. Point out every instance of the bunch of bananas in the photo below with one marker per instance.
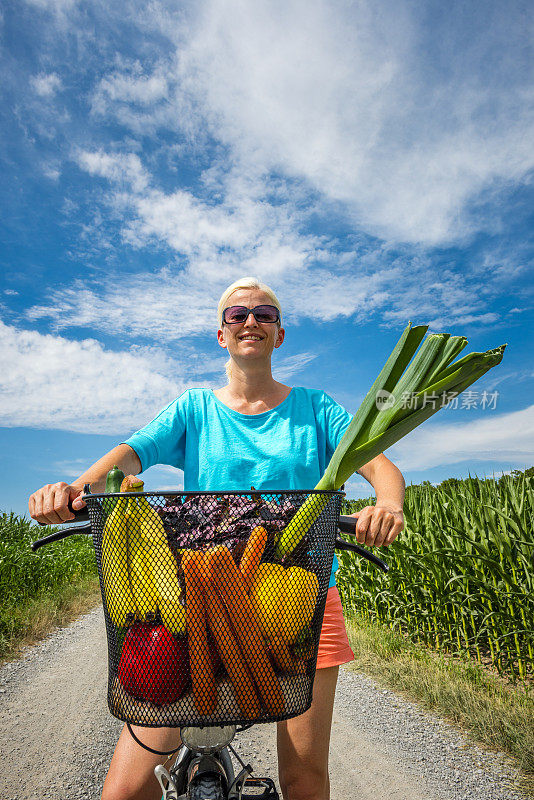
(139, 570)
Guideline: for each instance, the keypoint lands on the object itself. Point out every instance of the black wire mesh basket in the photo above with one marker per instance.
(213, 602)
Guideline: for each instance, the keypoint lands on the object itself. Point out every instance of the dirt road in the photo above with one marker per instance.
(57, 736)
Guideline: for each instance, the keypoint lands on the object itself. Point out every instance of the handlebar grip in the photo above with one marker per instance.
(348, 525)
(81, 514)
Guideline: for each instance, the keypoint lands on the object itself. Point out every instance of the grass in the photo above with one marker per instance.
(33, 621)
(492, 711)
(41, 590)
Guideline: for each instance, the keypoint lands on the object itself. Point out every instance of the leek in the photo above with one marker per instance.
(429, 377)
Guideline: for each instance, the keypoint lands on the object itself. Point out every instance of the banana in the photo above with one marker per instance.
(171, 609)
(164, 569)
(153, 568)
(140, 552)
(119, 596)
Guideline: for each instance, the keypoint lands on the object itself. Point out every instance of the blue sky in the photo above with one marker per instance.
(372, 162)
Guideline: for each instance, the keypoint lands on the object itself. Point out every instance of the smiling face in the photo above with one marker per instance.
(250, 339)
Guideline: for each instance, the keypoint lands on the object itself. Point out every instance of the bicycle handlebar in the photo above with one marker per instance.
(82, 515)
(348, 525)
(345, 525)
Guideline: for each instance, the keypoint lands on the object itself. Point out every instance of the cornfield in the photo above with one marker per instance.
(461, 573)
(24, 575)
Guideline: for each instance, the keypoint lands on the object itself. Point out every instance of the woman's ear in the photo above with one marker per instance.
(220, 339)
(280, 337)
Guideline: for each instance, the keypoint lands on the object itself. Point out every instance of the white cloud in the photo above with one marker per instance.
(51, 382)
(70, 469)
(51, 171)
(439, 300)
(242, 232)
(171, 305)
(125, 169)
(286, 368)
(164, 306)
(174, 303)
(358, 489)
(494, 437)
(163, 478)
(407, 121)
(310, 106)
(134, 87)
(58, 7)
(391, 113)
(46, 85)
(347, 97)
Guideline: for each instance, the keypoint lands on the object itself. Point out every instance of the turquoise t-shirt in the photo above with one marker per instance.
(221, 449)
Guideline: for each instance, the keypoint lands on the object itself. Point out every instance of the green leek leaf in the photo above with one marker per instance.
(428, 379)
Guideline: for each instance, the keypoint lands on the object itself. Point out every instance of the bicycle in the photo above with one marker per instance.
(208, 523)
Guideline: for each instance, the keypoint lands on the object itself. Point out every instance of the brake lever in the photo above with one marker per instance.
(66, 532)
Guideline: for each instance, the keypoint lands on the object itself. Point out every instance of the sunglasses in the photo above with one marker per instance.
(239, 314)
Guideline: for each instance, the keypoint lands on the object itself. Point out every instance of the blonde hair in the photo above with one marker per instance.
(245, 283)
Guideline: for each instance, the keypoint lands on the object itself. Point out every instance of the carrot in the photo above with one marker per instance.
(226, 577)
(252, 555)
(200, 657)
(231, 656)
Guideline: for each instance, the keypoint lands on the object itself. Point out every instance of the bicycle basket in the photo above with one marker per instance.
(213, 615)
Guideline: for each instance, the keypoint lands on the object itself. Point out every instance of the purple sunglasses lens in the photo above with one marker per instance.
(266, 313)
(261, 313)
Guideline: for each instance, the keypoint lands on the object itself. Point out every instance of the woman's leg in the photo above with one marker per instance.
(131, 772)
(303, 744)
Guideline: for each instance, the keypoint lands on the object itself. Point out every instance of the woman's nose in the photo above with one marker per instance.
(251, 319)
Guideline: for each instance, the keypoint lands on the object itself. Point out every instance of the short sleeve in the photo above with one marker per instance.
(337, 420)
(162, 441)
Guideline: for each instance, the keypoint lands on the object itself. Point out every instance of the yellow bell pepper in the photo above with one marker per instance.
(283, 600)
(266, 598)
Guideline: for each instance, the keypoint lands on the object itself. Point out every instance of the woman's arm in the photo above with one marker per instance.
(123, 456)
(50, 503)
(382, 523)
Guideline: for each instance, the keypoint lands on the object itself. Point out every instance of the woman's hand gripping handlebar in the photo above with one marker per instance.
(81, 515)
(348, 525)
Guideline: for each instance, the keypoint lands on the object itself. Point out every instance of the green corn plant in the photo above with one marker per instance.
(461, 575)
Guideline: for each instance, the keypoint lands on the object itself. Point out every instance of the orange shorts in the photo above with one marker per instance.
(334, 647)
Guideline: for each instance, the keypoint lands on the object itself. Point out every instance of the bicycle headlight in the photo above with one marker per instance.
(209, 739)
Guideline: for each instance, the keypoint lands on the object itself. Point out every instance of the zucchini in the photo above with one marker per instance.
(114, 479)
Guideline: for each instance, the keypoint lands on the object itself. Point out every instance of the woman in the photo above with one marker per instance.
(256, 432)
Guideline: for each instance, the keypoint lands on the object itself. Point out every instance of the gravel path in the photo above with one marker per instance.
(56, 731)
